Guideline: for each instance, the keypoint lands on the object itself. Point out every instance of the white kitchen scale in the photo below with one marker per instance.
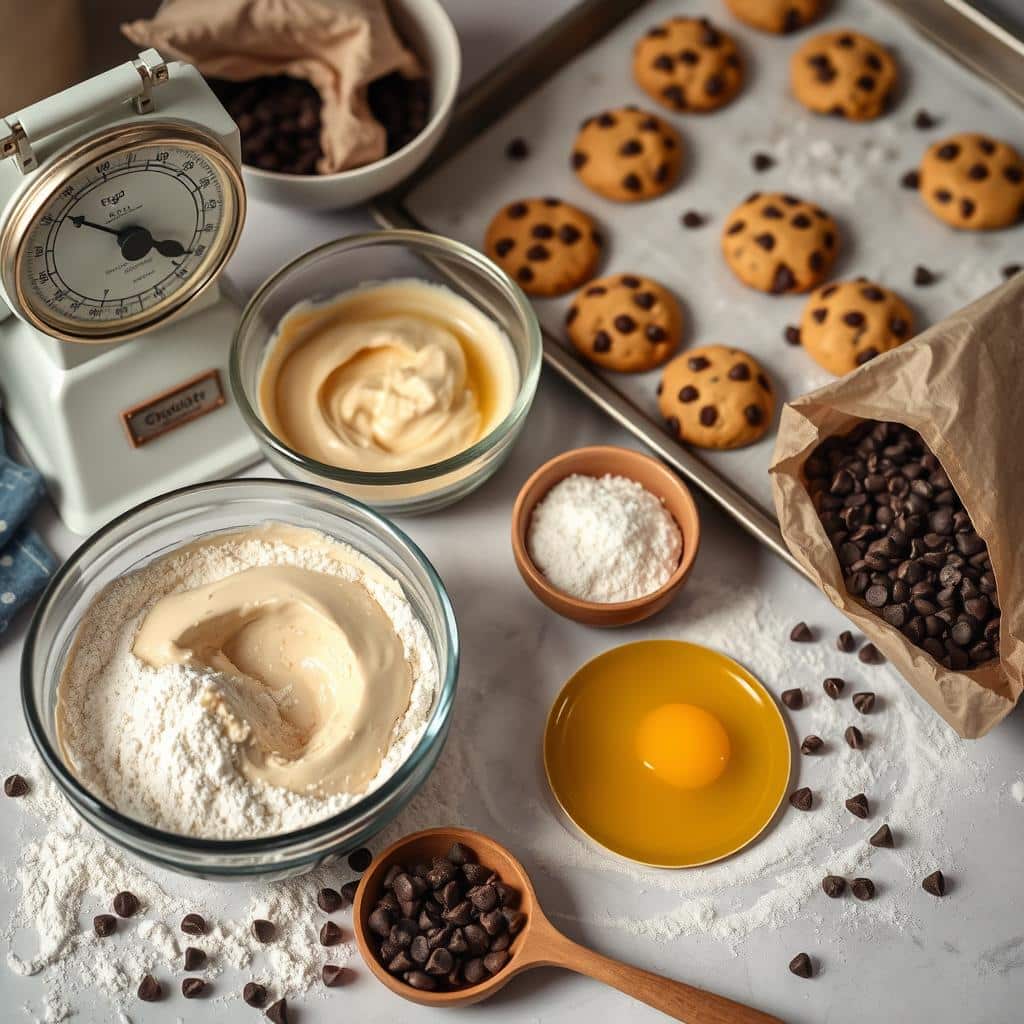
(120, 203)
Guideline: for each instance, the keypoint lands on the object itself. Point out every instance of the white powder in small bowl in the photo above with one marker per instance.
(603, 539)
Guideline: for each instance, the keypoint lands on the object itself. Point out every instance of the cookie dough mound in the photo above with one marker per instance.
(844, 73)
(688, 64)
(546, 245)
(973, 181)
(776, 15)
(779, 243)
(848, 323)
(716, 397)
(625, 322)
(627, 154)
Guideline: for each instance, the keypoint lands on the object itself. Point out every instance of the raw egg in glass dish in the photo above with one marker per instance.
(667, 753)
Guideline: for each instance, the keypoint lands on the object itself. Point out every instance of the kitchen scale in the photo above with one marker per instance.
(121, 201)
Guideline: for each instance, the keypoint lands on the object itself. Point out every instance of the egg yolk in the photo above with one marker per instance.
(683, 745)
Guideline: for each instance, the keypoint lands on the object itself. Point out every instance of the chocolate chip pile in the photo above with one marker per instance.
(906, 544)
(278, 117)
(445, 925)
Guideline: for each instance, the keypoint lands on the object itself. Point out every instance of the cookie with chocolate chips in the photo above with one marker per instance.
(973, 181)
(716, 397)
(625, 322)
(779, 243)
(547, 246)
(844, 73)
(848, 323)
(776, 15)
(627, 154)
(688, 64)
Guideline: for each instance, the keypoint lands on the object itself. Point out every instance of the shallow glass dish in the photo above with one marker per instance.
(347, 263)
(156, 527)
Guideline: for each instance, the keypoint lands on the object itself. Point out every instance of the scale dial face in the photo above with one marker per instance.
(127, 234)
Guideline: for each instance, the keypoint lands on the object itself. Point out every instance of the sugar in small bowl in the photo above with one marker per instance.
(605, 535)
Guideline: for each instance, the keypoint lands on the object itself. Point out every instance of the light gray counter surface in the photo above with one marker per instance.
(959, 960)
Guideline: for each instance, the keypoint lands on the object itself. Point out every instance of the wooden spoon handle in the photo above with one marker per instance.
(548, 947)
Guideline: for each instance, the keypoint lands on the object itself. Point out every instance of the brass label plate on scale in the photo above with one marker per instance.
(173, 408)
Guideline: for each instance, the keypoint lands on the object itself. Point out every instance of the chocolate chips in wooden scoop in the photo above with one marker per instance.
(455, 923)
(905, 543)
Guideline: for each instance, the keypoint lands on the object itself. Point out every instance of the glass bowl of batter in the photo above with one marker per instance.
(397, 367)
(146, 578)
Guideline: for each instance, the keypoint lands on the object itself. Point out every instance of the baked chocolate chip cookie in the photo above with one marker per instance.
(625, 322)
(847, 323)
(627, 154)
(776, 15)
(688, 64)
(844, 73)
(779, 243)
(546, 245)
(716, 397)
(973, 181)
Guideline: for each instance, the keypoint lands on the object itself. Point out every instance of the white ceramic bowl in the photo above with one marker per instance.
(426, 27)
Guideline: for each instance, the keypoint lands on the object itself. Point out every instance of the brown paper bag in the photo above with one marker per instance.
(960, 384)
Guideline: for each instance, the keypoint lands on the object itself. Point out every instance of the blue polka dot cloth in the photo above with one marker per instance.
(26, 563)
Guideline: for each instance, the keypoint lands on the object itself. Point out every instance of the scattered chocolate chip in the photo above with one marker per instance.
(762, 162)
(330, 934)
(924, 277)
(277, 1013)
(150, 990)
(863, 888)
(854, 737)
(1011, 270)
(911, 180)
(104, 925)
(263, 930)
(833, 886)
(833, 686)
(858, 806)
(870, 654)
(329, 900)
(793, 699)
(844, 642)
(791, 334)
(935, 884)
(192, 988)
(693, 219)
(801, 633)
(333, 975)
(15, 786)
(864, 702)
(801, 966)
(254, 994)
(882, 838)
(517, 149)
(126, 904)
(195, 959)
(811, 744)
(801, 798)
(924, 121)
(193, 924)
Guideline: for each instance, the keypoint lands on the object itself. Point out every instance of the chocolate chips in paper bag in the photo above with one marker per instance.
(899, 487)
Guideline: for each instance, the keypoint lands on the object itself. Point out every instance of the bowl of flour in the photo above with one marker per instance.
(242, 678)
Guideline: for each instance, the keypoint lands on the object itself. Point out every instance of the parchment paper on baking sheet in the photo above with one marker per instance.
(851, 169)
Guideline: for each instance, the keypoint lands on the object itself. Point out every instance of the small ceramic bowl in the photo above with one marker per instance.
(599, 461)
(429, 32)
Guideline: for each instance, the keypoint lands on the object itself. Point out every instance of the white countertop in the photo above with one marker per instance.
(960, 959)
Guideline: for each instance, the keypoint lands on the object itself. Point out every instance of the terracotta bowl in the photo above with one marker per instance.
(597, 461)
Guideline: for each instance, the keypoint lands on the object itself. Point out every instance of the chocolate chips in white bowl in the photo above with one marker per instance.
(906, 544)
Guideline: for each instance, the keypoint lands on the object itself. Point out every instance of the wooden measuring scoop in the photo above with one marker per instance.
(539, 944)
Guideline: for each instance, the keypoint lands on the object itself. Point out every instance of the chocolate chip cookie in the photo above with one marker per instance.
(627, 154)
(844, 73)
(546, 245)
(716, 397)
(688, 64)
(625, 322)
(776, 15)
(780, 243)
(847, 323)
(973, 181)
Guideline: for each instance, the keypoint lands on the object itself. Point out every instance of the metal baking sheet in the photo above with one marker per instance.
(956, 63)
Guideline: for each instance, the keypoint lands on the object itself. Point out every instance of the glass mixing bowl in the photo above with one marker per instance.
(180, 517)
(378, 256)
